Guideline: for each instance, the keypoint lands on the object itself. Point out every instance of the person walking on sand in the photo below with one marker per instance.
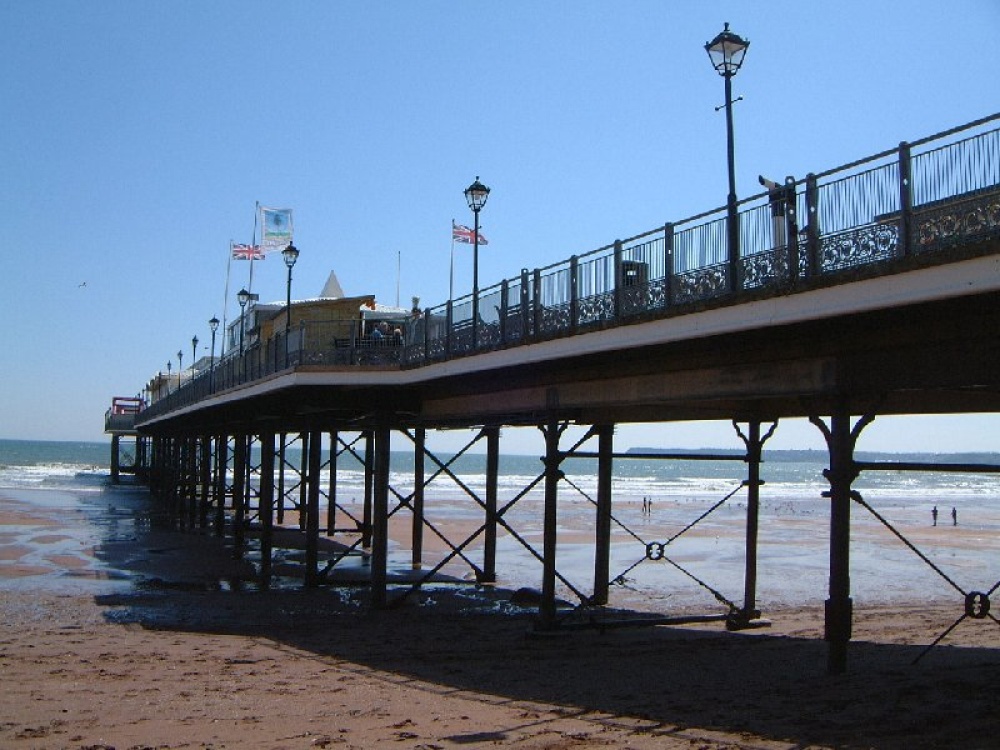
(934, 515)
(954, 517)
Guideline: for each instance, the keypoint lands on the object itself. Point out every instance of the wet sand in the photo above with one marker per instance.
(120, 632)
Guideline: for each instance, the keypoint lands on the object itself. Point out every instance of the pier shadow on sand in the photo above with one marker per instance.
(666, 681)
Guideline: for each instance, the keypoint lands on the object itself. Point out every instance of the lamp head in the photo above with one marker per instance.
(726, 52)
(290, 254)
(213, 324)
(243, 296)
(476, 195)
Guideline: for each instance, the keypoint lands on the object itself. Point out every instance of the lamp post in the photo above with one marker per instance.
(168, 377)
(180, 366)
(194, 351)
(213, 325)
(726, 52)
(476, 195)
(243, 296)
(290, 254)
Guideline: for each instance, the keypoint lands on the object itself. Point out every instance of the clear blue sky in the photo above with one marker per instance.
(136, 138)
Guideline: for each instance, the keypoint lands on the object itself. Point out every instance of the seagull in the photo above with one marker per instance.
(81, 285)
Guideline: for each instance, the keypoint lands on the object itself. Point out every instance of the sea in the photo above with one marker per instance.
(679, 525)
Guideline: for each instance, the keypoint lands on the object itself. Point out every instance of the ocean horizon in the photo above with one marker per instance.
(654, 500)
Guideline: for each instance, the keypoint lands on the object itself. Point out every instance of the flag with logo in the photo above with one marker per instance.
(243, 251)
(461, 233)
(276, 230)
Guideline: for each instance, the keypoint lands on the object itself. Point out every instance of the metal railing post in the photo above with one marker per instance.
(792, 229)
(905, 198)
(619, 281)
(536, 303)
(302, 341)
(447, 333)
(668, 263)
(427, 334)
(814, 265)
(574, 293)
(504, 291)
(525, 302)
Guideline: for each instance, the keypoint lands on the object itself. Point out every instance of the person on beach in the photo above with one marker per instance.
(954, 517)
(934, 515)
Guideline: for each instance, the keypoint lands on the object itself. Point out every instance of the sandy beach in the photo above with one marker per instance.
(117, 633)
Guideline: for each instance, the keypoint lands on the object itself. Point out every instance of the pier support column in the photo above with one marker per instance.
(754, 443)
(115, 458)
(156, 467)
(312, 478)
(366, 522)
(489, 574)
(180, 481)
(417, 535)
(331, 498)
(221, 483)
(547, 607)
(840, 440)
(174, 479)
(192, 473)
(303, 474)
(239, 493)
(280, 507)
(142, 457)
(266, 507)
(602, 531)
(380, 515)
(205, 493)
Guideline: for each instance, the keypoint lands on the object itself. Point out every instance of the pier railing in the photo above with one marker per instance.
(920, 198)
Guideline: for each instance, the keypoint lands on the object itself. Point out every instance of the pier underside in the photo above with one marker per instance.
(225, 463)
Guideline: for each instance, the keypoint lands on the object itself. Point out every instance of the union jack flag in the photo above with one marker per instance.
(461, 233)
(242, 251)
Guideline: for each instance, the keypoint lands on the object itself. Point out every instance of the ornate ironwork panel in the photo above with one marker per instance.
(764, 269)
(956, 223)
(515, 325)
(488, 335)
(437, 349)
(595, 308)
(700, 284)
(378, 355)
(554, 320)
(461, 339)
(413, 354)
(859, 247)
(644, 297)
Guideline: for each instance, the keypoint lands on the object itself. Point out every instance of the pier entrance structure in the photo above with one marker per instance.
(127, 449)
(868, 290)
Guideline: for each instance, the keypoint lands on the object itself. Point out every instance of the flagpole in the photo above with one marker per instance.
(399, 265)
(253, 245)
(451, 275)
(225, 296)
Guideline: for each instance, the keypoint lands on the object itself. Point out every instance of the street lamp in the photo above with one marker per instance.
(476, 195)
(243, 296)
(180, 366)
(726, 52)
(194, 351)
(213, 325)
(290, 254)
(168, 377)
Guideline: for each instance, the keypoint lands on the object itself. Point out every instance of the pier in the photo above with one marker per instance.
(868, 290)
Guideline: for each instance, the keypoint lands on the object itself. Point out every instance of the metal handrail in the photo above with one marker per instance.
(862, 214)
